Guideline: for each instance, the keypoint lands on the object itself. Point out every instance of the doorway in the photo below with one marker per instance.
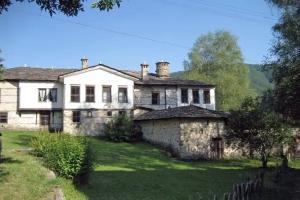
(45, 120)
(217, 148)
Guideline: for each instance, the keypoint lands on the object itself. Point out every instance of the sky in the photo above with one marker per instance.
(139, 31)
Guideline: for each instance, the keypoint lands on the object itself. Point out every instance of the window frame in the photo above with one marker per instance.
(198, 96)
(206, 98)
(49, 95)
(125, 98)
(187, 95)
(76, 116)
(74, 95)
(157, 98)
(91, 96)
(108, 100)
(3, 117)
(39, 97)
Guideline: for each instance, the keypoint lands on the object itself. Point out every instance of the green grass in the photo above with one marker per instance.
(122, 171)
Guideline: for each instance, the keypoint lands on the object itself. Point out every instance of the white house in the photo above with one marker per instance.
(82, 100)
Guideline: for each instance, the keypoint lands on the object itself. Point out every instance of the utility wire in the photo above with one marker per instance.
(104, 29)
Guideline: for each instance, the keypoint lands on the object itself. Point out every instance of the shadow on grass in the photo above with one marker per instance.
(23, 140)
(164, 184)
(287, 187)
(9, 160)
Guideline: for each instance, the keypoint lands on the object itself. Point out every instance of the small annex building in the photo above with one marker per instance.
(189, 132)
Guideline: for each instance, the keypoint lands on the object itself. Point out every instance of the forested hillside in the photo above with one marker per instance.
(259, 80)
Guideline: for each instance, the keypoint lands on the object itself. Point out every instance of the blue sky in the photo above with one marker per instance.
(140, 30)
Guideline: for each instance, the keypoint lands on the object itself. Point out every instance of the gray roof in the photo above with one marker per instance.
(52, 74)
(190, 111)
(152, 79)
(34, 74)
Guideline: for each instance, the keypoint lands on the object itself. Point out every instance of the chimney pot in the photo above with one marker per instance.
(162, 69)
(144, 70)
(84, 63)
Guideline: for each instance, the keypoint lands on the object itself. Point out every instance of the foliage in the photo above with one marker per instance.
(120, 128)
(257, 129)
(67, 155)
(217, 59)
(69, 8)
(284, 59)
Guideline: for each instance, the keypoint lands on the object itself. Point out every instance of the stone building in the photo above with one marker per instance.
(190, 132)
(83, 100)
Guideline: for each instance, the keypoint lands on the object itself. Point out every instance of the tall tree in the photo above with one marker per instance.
(254, 128)
(67, 7)
(217, 59)
(285, 59)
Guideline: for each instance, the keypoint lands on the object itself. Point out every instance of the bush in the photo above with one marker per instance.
(121, 128)
(68, 156)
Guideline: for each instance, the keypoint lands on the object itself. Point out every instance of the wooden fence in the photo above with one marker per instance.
(249, 190)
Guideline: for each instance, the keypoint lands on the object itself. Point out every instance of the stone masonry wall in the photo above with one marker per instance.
(9, 103)
(91, 126)
(164, 133)
(188, 138)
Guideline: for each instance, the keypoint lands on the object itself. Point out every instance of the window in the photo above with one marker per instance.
(53, 94)
(42, 95)
(3, 117)
(196, 96)
(75, 93)
(155, 98)
(44, 118)
(122, 95)
(122, 112)
(206, 94)
(106, 94)
(89, 113)
(90, 93)
(76, 116)
(109, 113)
(184, 95)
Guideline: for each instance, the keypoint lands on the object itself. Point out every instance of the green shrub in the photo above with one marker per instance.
(68, 156)
(119, 129)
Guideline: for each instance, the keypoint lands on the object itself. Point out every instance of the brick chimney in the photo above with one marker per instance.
(162, 69)
(144, 71)
(84, 63)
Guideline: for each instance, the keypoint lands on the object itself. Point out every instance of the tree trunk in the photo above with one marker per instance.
(264, 161)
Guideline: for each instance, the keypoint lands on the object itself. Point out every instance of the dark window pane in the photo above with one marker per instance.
(122, 95)
(155, 98)
(75, 93)
(3, 117)
(196, 96)
(90, 94)
(206, 94)
(122, 112)
(109, 113)
(53, 95)
(76, 116)
(106, 94)
(184, 95)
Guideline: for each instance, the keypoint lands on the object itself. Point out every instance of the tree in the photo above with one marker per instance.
(284, 59)
(217, 59)
(253, 128)
(68, 7)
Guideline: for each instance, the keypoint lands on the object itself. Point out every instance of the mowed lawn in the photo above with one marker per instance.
(121, 171)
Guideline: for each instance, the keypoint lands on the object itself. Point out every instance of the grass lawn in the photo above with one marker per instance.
(122, 171)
